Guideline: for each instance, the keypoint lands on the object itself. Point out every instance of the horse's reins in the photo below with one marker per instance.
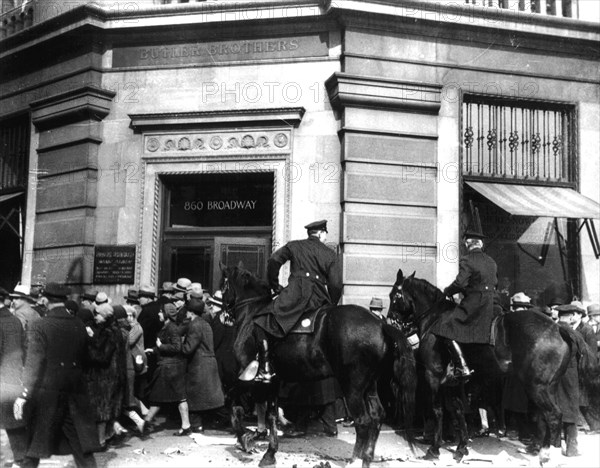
(418, 317)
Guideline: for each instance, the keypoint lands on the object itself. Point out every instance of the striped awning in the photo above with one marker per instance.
(532, 200)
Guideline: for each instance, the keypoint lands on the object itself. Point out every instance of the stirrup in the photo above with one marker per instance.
(264, 376)
(250, 372)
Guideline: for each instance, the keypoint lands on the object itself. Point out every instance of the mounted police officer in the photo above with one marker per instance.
(471, 321)
(315, 280)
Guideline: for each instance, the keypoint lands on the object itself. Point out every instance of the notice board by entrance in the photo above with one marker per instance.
(114, 264)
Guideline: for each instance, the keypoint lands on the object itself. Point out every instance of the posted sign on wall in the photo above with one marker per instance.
(114, 264)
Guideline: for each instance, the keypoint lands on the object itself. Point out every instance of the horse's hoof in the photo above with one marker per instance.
(247, 442)
(267, 462)
(431, 455)
(459, 455)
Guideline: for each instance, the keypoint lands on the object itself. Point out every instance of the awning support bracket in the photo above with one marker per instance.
(593, 235)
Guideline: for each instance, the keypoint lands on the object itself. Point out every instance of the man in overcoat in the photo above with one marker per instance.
(568, 390)
(12, 342)
(315, 280)
(587, 333)
(54, 392)
(471, 321)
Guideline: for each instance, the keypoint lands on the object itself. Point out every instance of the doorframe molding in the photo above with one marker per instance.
(153, 188)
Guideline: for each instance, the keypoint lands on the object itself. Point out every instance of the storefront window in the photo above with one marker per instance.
(535, 255)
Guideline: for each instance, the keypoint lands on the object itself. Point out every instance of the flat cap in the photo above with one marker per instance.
(320, 225)
(568, 309)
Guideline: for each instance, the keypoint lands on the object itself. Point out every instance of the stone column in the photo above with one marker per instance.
(70, 131)
(389, 132)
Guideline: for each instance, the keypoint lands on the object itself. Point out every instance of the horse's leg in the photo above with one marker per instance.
(359, 412)
(268, 458)
(244, 437)
(433, 452)
(550, 416)
(376, 412)
(457, 411)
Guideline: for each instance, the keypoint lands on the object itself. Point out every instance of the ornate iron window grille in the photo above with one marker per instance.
(521, 140)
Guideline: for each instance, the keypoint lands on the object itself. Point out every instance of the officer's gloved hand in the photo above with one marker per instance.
(277, 289)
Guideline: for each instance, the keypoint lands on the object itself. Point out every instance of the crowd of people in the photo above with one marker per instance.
(75, 376)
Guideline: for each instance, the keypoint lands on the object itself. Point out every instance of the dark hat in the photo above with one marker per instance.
(56, 291)
(90, 295)
(320, 225)
(195, 305)
(3, 292)
(474, 234)
(376, 303)
(71, 306)
(556, 301)
(146, 291)
(132, 296)
(119, 312)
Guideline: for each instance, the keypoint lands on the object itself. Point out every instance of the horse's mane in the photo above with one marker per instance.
(251, 282)
(425, 288)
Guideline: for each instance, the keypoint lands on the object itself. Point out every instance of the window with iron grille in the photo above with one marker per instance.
(522, 140)
(14, 154)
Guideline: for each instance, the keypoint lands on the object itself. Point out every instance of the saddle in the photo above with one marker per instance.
(307, 321)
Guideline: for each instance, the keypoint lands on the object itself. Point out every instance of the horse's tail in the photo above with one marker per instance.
(404, 380)
(588, 366)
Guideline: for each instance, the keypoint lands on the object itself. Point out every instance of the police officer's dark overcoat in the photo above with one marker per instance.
(315, 279)
(471, 321)
(53, 374)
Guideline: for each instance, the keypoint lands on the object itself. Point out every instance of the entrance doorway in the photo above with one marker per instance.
(212, 218)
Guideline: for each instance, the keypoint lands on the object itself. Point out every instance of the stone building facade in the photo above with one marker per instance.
(144, 141)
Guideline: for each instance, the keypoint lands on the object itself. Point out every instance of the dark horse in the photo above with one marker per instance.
(527, 343)
(348, 343)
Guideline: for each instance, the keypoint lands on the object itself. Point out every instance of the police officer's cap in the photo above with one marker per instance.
(320, 225)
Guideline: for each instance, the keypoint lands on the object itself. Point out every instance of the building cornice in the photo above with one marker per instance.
(284, 116)
(84, 103)
(362, 91)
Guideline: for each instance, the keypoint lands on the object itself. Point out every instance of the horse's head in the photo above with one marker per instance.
(238, 286)
(412, 299)
(402, 306)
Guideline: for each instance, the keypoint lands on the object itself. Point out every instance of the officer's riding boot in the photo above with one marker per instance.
(461, 370)
(265, 366)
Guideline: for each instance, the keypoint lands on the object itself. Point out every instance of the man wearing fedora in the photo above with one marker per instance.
(22, 305)
(376, 307)
(54, 390)
(471, 321)
(315, 280)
